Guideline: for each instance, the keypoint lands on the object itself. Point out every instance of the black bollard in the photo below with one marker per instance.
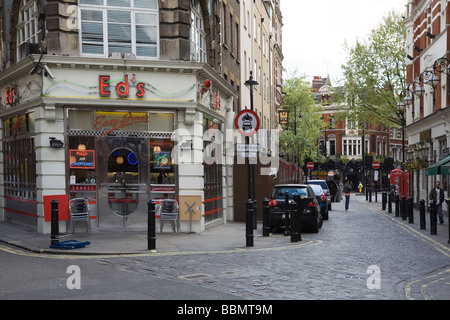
(383, 200)
(448, 214)
(151, 225)
(287, 218)
(433, 220)
(423, 223)
(370, 194)
(376, 195)
(390, 203)
(54, 224)
(249, 223)
(255, 215)
(266, 228)
(410, 210)
(397, 206)
(403, 208)
(294, 217)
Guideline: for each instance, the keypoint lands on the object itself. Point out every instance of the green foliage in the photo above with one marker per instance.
(299, 100)
(374, 73)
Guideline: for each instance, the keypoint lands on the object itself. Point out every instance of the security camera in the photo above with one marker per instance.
(48, 72)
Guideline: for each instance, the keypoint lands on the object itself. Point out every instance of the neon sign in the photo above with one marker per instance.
(82, 159)
(11, 95)
(110, 121)
(122, 88)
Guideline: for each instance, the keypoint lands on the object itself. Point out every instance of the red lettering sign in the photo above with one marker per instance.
(122, 88)
(140, 89)
(104, 86)
(116, 123)
(11, 95)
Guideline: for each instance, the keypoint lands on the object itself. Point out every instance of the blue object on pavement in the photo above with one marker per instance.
(69, 244)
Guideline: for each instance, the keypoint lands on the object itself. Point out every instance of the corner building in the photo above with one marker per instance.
(116, 102)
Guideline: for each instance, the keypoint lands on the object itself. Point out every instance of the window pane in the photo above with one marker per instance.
(92, 31)
(119, 33)
(92, 48)
(91, 15)
(91, 2)
(118, 16)
(146, 18)
(148, 4)
(146, 51)
(145, 34)
(118, 3)
(119, 48)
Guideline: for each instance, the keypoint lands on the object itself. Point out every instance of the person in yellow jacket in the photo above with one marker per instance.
(360, 187)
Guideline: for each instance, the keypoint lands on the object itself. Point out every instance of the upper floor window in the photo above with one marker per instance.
(125, 26)
(198, 35)
(28, 30)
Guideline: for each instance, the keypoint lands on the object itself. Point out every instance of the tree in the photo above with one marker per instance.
(300, 139)
(374, 73)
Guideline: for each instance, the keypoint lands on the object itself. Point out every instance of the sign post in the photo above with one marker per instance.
(309, 166)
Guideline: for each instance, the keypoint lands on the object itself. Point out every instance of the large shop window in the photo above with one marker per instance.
(19, 157)
(123, 26)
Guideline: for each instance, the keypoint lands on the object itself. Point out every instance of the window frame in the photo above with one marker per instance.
(133, 11)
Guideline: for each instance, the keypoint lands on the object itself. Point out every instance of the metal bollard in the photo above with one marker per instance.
(390, 203)
(448, 214)
(266, 228)
(433, 219)
(287, 220)
(299, 211)
(376, 195)
(294, 217)
(410, 210)
(422, 214)
(255, 215)
(54, 224)
(397, 206)
(370, 194)
(151, 225)
(403, 208)
(383, 200)
(249, 223)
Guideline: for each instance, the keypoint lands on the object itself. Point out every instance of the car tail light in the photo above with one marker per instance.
(324, 199)
(272, 203)
(311, 204)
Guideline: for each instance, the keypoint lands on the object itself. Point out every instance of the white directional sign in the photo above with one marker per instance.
(247, 122)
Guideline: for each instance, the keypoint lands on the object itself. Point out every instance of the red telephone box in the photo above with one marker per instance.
(400, 180)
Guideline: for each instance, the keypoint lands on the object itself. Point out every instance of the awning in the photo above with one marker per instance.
(445, 170)
(435, 169)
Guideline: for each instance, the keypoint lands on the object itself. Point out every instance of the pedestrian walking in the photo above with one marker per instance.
(437, 196)
(347, 189)
(360, 187)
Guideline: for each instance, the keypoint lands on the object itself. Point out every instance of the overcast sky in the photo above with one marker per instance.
(314, 31)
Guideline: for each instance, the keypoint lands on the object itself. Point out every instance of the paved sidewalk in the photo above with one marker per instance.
(227, 237)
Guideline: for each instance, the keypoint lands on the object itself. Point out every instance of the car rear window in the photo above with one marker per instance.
(317, 189)
(323, 184)
(279, 193)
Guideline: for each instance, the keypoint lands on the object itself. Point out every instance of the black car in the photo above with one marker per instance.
(311, 218)
(324, 186)
(321, 199)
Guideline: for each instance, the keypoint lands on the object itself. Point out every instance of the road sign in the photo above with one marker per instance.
(376, 165)
(310, 165)
(247, 122)
(242, 147)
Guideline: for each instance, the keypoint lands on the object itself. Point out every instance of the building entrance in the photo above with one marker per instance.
(123, 181)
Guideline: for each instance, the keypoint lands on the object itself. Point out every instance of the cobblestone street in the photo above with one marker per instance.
(336, 263)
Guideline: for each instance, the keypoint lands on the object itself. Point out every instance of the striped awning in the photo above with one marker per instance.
(436, 168)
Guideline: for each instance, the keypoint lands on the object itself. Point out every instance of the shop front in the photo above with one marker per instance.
(119, 133)
(118, 163)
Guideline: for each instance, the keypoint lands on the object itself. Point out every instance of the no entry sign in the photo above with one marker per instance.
(310, 165)
(376, 165)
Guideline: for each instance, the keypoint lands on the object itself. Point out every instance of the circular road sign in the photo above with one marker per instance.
(247, 122)
(376, 165)
(310, 165)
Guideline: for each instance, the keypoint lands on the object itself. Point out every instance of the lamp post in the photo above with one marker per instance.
(251, 186)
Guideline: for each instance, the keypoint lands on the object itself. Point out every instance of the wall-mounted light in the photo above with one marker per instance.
(157, 149)
(56, 143)
(81, 147)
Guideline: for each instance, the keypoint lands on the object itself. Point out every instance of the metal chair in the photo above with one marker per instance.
(169, 212)
(79, 211)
